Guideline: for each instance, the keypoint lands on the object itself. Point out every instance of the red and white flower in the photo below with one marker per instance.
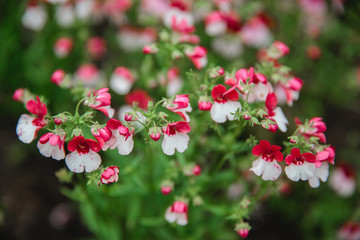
(102, 135)
(301, 165)
(204, 104)
(63, 47)
(110, 175)
(19, 95)
(228, 46)
(121, 138)
(132, 39)
(65, 15)
(180, 105)
(343, 180)
(179, 21)
(52, 145)
(198, 55)
(256, 33)
(323, 158)
(28, 126)
(121, 80)
(84, 156)
(101, 100)
(350, 231)
(58, 77)
(225, 104)
(215, 24)
(175, 137)
(316, 128)
(177, 213)
(266, 165)
(88, 74)
(289, 92)
(174, 81)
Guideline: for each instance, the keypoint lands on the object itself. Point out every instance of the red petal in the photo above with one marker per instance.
(258, 150)
(113, 123)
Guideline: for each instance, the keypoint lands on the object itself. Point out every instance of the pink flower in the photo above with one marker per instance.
(84, 155)
(63, 46)
(121, 138)
(52, 145)
(19, 95)
(198, 56)
(155, 133)
(196, 170)
(88, 74)
(350, 231)
(58, 77)
(343, 180)
(179, 21)
(289, 92)
(121, 80)
(101, 100)
(175, 137)
(102, 135)
(282, 48)
(225, 104)
(166, 190)
(177, 213)
(96, 46)
(204, 104)
(255, 33)
(110, 175)
(316, 128)
(28, 126)
(301, 166)
(266, 165)
(139, 97)
(181, 106)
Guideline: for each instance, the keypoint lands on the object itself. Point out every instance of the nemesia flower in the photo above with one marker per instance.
(84, 8)
(350, 231)
(132, 39)
(96, 46)
(301, 165)
(316, 128)
(58, 77)
(343, 180)
(34, 17)
(166, 190)
(88, 74)
(198, 56)
(228, 46)
(179, 21)
(122, 137)
(65, 15)
(139, 97)
(323, 158)
(115, 9)
(121, 80)
(177, 212)
(63, 46)
(215, 24)
(289, 91)
(180, 105)
(110, 175)
(196, 170)
(101, 100)
(155, 7)
(84, 155)
(19, 95)
(175, 137)
(266, 165)
(225, 103)
(155, 133)
(204, 104)
(174, 81)
(28, 126)
(282, 48)
(243, 232)
(52, 145)
(102, 135)
(275, 113)
(256, 33)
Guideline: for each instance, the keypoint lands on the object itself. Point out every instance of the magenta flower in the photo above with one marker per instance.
(110, 175)
(177, 213)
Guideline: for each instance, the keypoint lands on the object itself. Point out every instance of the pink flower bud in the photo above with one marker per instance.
(281, 47)
(58, 77)
(155, 133)
(166, 190)
(243, 232)
(149, 49)
(19, 95)
(196, 170)
(63, 47)
(129, 117)
(205, 105)
(247, 117)
(110, 175)
(58, 121)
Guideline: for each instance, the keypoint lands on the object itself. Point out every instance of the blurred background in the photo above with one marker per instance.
(325, 52)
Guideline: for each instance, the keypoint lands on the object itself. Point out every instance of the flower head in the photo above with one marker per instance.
(110, 175)
(177, 212)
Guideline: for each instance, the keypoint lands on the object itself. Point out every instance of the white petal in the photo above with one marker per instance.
(232, 107)
(280, 119)
(181, 141)
(34, 18)
(292, 172)
(173, 87)
(75, 162)
(258, 166)
(314, 182)
(64, 15)
(271, 171)
(170, 216)
(92, 161)
(120, 85)
(167, 145)
(45, 149)
(58, 154)
(216, 28)
(261, 91)
(25, 129)
(125, 146)
(217, 112)
(308, 170)
(297, 172)
(342, 184)
(182, 219)
(323, 171)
